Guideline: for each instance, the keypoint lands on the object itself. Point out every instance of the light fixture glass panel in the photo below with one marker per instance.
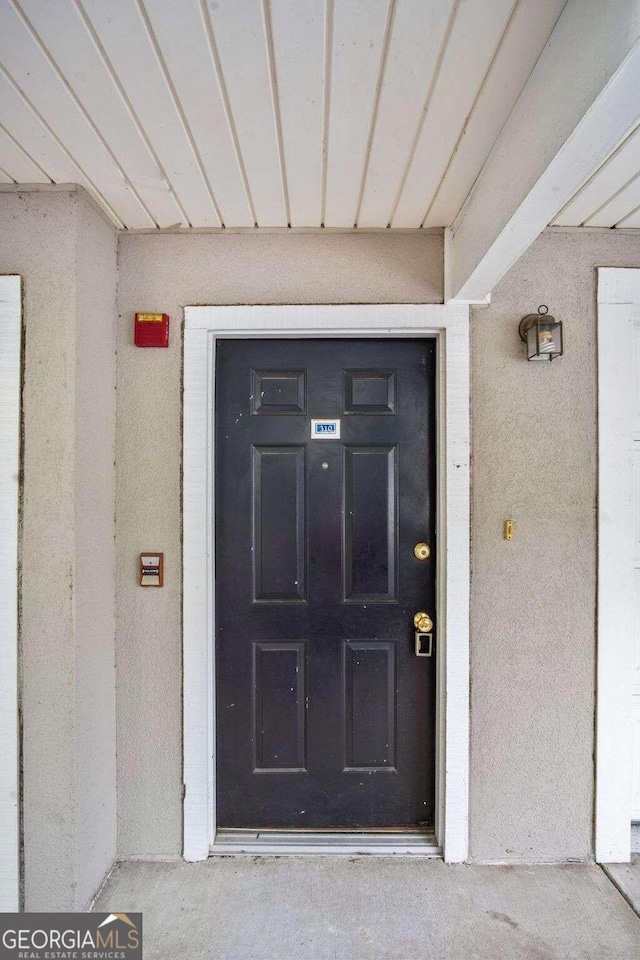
(532, 343)
(548, 339)
(558, 339)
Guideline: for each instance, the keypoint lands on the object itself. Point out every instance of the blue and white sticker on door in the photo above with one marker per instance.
(325, 429)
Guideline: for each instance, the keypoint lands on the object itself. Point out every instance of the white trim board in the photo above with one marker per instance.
(449, 325)
(10, 344)
(618, 301)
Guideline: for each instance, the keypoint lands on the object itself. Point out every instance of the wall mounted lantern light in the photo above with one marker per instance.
(542, 334)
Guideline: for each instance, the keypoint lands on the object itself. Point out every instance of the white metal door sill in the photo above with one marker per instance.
(282, 843)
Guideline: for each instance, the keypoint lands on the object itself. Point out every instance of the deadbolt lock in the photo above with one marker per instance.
(424, 644)
(422, 551)
(423, 623)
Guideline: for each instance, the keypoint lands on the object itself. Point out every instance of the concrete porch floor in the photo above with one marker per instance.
(268, 908)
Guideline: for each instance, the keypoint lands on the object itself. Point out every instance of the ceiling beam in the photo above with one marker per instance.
(578, 105)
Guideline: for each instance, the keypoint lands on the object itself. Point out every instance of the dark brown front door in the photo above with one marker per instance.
(324, 713)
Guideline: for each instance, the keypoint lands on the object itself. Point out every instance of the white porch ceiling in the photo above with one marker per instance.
(276, 113)
(611, 198)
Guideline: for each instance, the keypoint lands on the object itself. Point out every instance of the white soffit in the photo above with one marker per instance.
(611, 197)
(268, 113)
(578, 107)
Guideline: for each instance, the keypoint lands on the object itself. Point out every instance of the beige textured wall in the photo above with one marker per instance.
(534, 459)
(95, 479)
(38, 242)
(533, 599)
(165, 273)
(67, 623)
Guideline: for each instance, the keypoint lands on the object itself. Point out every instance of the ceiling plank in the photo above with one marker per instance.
(34, 73)
(130, 45)
(182, 33)
(298, 46)
(77, 52)
(621, 205)
(475, 35)
(525, 37)
(29, 129)
(614, 174)
(18, 164)
(417, 34)
(633, 220)
(577, 107)
(239, 33)
(357, 51)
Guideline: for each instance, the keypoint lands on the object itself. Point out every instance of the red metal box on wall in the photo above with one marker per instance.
(151, 330)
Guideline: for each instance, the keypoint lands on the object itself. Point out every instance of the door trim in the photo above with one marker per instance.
(449, 325)
(10, 377)
(618, 308)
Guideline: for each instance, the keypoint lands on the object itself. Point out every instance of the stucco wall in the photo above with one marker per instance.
(67, 622)
(533, 598)
(534, 459)
(165, 273)
(95, 476)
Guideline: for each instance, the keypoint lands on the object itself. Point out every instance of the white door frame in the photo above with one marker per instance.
(10, 376)
(449, 325)
(618, 307)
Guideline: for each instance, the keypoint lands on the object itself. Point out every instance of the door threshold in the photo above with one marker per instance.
(347, 843)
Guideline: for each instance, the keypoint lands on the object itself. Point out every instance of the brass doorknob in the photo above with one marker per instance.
(423, 622)
(422, 551)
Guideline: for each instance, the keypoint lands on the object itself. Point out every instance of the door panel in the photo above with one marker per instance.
(279, 713)
(370, 524)
(324, 715)
(369, 704)
(279, 530)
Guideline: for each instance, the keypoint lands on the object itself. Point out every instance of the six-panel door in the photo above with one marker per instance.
(324, 714)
